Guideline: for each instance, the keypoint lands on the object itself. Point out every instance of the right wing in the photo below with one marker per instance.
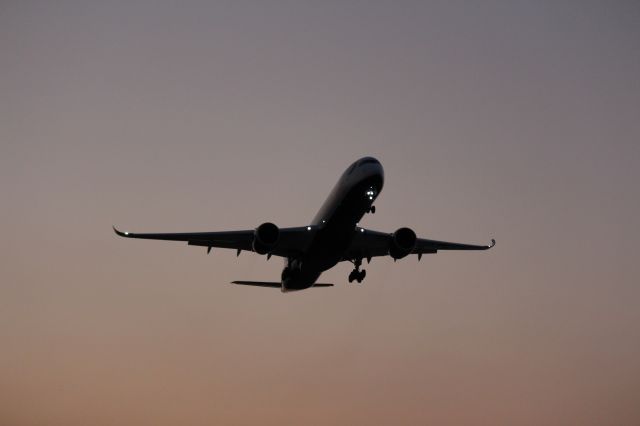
(292, 241)
(368, 243)
(424, 245)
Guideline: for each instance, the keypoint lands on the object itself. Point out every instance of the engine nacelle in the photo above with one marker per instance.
(265, 238)
(402, 243)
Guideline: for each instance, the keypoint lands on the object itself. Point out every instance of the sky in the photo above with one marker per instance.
(515, 120)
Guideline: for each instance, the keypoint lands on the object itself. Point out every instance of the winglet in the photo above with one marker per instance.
(120, 233)
(493, 243)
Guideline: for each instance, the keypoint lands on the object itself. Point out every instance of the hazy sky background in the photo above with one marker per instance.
(516, 120)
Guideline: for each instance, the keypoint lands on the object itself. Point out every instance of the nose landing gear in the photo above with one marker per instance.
(371, 194)
(357, 274)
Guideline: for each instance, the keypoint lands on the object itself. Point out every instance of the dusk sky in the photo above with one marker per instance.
(517, 120)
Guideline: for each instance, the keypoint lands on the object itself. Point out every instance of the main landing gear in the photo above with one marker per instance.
(357, 274)
(371, 210)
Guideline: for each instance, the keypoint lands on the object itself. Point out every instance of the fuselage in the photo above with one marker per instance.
(336, 223)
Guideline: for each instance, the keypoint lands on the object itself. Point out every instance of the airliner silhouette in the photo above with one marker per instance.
(332, 236)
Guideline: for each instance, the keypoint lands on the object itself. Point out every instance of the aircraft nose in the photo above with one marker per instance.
(368, 160)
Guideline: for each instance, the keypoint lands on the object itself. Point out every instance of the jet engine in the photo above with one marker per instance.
(265, 238)
(402, 243)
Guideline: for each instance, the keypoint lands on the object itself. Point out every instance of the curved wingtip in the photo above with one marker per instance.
(120, 233)
(493, 243)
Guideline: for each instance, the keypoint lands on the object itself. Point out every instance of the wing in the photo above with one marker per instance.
(292, 241)
(367, 243)
(432, 246)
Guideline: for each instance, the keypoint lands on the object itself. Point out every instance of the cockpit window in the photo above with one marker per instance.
(367, 161)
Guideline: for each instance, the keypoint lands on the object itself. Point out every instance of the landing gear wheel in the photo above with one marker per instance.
(372, 209)
(357, 274)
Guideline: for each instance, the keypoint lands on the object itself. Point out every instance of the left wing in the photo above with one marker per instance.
(291, 241)
(367, 243)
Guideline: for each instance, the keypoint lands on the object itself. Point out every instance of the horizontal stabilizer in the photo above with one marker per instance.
(273, 284)
(259, 283)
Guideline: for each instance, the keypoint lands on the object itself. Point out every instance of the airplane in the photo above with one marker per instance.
(333, 236)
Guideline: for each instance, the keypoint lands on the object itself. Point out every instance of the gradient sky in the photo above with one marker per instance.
(517, 120)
